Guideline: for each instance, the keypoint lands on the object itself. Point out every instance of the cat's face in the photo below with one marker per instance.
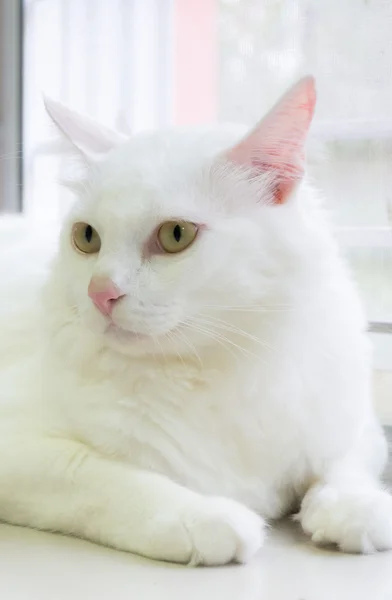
(172, 242)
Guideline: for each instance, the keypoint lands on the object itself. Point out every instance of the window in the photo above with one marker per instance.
(10, 105)
(142, 65)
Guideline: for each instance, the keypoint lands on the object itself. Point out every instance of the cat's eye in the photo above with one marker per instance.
(85, 238)
(176, 236)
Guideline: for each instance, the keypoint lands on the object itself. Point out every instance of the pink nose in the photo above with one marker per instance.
(104, 294)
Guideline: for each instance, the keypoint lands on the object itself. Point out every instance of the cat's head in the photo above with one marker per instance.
(177, 237)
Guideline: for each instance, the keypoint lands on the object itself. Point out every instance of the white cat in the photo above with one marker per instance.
(194, 360)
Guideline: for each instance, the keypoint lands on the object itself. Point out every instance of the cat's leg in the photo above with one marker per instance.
(63, 486)
(348, 506)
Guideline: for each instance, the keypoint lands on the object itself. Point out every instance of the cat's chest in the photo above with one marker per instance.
(165, 403)
(213, 433)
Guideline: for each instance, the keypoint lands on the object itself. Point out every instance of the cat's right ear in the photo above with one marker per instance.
(90, 138)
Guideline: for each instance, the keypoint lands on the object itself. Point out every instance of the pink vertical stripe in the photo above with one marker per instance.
(195, 61)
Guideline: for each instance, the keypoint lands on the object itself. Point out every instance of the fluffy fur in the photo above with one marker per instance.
(232, 384)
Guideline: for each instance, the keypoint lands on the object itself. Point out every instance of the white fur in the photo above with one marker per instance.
(171, 445)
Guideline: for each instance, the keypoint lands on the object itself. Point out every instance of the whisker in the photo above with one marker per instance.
(229, 327)
(211, 335)
(219, 337)
(250, 308)
(158, 343)
(153, 339)
(181, 335)
(169, 336)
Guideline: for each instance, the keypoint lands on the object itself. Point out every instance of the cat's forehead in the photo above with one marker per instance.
(159, 175)
(165, 156)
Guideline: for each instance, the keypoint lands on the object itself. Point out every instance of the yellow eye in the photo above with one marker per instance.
(85, 238)
(176, 236)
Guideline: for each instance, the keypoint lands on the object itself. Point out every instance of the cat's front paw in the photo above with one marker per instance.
(214, 531)
(359, 522)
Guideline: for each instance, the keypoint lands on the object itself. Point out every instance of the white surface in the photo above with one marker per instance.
(41, 566)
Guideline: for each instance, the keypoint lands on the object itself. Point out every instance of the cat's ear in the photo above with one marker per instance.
(93, 140)
(276, 145)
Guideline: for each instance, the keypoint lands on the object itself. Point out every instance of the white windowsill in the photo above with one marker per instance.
(345, 130)
(383, 396)
(365, 237)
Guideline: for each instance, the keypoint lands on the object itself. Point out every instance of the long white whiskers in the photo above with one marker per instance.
(219, 338)
(229, 327)
(181, 335)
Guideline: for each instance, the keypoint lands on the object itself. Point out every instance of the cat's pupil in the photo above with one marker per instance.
(88, 233)
(177, 233)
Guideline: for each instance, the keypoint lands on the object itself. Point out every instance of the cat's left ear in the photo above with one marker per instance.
(277, 143)
(93, 140)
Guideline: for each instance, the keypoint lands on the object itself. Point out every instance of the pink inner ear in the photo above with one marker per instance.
(277, 143)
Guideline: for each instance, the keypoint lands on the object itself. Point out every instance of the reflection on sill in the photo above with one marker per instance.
(378, 327)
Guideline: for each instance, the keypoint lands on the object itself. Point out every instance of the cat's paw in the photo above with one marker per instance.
(359, 522)
(214, 531)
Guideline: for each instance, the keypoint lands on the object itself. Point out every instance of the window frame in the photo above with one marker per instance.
(11, 90)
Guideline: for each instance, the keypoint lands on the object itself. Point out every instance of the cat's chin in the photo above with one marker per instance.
(125, 335)
(132, 343)
(127, 342)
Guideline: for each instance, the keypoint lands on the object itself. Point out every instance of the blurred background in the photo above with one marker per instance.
(148, 64)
